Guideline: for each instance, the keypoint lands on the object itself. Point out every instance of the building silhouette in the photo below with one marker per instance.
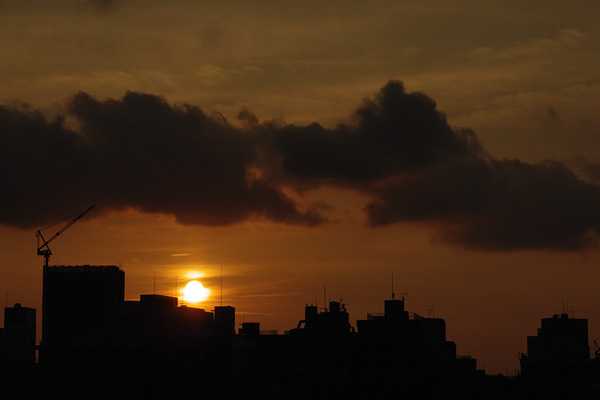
(154, 346)
(159, 318)
(560, 349)
(79, 304)
(334, 321)
(325, 357)
(413, 344)
(17, 339)
(86, 320)
(557, 363)
(225, 320)
(78, 299)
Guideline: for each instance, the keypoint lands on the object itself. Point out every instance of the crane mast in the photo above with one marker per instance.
(44, 250)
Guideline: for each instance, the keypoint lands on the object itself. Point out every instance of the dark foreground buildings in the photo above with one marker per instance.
(96, 344)
(557, 362)
(86, 321)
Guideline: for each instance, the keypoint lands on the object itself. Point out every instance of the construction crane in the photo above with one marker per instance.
(44, 250)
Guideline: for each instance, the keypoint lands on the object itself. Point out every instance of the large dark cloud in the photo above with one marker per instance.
(394, 132)
(496, 205)
(402, 151)
(134, 152)
(141, 152)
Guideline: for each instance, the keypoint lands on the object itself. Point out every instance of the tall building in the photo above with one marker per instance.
(560, 349)
(411, 344)
(225, 320)
(78, 301)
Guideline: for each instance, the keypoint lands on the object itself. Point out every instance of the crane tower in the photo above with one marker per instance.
(43, 249)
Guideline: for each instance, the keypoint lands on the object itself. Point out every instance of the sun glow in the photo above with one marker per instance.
(195, 292)
(193, 275)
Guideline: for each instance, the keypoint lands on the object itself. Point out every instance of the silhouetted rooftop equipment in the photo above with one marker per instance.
(44, 250)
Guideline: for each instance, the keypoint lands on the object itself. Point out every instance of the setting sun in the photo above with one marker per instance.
(195, 292)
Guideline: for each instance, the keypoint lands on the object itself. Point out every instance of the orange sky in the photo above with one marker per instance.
(523, 78)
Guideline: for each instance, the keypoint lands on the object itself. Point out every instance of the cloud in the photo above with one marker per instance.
(396, 131)
(398, 149)
(139, 152)
(402, 151)
(496, 205)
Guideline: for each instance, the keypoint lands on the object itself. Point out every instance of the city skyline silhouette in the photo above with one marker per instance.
(148, 344)
(269, 150)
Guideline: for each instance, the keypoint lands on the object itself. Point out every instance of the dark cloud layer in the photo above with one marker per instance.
(134, 152)
(402, 151)
(141, 152)
(394, 132)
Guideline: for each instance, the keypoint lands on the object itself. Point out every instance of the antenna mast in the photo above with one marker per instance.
(221, 286)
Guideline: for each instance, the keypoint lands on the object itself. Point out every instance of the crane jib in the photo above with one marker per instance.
(47, 252)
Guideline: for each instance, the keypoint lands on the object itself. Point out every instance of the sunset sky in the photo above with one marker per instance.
(297, 145)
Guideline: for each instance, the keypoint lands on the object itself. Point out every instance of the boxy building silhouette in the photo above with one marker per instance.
(560, 349)
(85, 320)
(77, 299)
(17, 339)
(77, 305)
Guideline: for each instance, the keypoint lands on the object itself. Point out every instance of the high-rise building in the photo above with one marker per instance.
(559, 349)
(77, 300)
(225, 320)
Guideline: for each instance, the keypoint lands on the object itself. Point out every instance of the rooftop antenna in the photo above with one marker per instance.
(221, 286)
(393, 285)
(325, 297)
(431, 311)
